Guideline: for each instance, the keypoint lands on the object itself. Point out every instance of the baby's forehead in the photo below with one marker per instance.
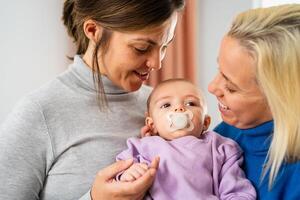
(176, 88)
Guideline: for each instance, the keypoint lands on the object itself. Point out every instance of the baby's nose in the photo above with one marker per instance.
(179, 109)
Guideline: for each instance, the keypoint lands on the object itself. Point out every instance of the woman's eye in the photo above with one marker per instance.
(141, 50)
(166, 105)
(229, 89)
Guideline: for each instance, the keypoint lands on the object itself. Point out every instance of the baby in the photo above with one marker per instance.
(194, 163)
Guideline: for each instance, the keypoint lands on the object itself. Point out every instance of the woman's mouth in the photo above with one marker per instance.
(142, 75)
(223, 107)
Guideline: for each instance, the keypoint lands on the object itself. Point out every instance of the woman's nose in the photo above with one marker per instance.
(154, 60)
(214, 86)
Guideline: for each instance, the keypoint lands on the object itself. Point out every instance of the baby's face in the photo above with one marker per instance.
(177, 97)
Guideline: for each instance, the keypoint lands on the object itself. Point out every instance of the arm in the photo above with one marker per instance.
(25, 154)
(138, 150)
(106, 188)
(140, 165)
(233, 183)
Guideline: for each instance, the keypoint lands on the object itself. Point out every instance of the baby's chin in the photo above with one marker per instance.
(179, 134)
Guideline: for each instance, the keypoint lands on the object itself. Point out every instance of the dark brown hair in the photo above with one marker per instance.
(113, 15)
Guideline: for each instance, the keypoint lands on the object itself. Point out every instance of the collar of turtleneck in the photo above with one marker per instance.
(84, 73)
(254, 140)
(259, 137)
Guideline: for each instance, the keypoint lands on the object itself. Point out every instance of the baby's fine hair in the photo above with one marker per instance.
(173, 80)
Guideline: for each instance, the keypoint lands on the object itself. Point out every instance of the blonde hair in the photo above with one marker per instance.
(272, 37)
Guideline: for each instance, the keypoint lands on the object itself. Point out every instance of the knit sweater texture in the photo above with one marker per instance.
(56, 139)
(256, 142)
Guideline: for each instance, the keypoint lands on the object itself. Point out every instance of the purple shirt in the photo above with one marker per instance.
(193, 168)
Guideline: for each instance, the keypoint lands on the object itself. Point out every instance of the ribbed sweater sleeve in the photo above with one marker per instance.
(26, 152)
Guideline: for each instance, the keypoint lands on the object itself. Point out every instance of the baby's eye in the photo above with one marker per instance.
(191, 103)
(166, 105)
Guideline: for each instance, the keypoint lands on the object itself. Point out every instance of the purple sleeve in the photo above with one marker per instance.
(136, 150)
(233, 183)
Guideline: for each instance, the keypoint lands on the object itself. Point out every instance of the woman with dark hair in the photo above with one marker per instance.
(58, 138)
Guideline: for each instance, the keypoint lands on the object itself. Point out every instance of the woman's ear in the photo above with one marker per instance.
(92, 30)
(149, 122)
(206, 122)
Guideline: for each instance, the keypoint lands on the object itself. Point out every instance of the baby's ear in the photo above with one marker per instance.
(149, 122)
(206, 122)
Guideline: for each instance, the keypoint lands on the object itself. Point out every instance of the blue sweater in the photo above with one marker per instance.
(255, 142)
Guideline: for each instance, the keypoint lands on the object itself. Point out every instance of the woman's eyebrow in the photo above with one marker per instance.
(225, 77)
(146, 40)
(150, 41)
(229, 81)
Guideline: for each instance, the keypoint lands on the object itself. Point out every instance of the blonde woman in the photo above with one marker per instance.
(258, 89)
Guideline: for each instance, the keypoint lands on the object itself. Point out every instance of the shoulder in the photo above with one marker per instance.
(285, 185)
(148, 140)
(225, 129)
(30, 109)
(223, 144)
(146, 144)
(27, 109)
(25, 125)
(52, 92)
(290, 168)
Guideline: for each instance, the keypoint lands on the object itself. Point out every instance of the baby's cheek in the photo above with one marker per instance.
(197, 121)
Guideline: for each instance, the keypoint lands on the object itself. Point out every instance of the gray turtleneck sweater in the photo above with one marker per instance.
(56, 139)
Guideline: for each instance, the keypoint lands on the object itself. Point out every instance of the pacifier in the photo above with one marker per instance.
(180, 121)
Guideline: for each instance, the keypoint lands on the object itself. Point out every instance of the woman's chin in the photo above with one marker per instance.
(131, 87)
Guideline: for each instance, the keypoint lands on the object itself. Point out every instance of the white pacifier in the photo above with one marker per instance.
(180, 120)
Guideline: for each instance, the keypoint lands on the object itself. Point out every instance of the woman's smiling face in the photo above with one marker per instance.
(132, 55)
(241, 102)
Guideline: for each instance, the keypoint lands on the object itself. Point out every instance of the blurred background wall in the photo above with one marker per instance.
(34, 44)
(33, 48)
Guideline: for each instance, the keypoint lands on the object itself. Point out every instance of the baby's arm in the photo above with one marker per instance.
(141, 158)
(134, 172)
(233, 183)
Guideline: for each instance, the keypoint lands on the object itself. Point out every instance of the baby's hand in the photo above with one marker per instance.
(134, 172)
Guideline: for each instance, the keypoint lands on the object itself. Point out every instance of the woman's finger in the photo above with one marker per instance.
(155, 163)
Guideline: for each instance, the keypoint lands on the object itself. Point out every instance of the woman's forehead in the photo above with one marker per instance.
(158, 34)
(236, 64)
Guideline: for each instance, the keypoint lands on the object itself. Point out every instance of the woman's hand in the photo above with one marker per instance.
(105, 188)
